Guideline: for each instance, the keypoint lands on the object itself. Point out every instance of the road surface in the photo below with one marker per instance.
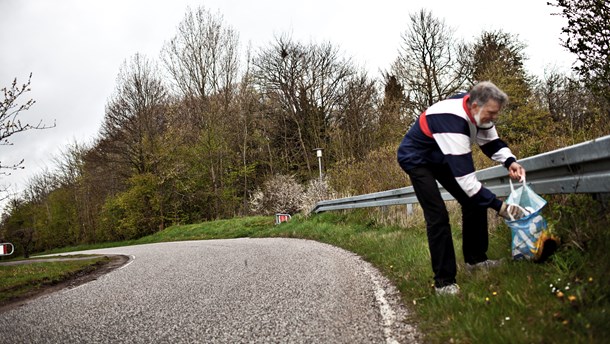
(272, 290)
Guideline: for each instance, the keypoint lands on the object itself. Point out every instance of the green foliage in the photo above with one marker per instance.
(136, 212)
(61, 225)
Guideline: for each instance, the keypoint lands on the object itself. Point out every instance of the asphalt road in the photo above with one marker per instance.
(220, 291)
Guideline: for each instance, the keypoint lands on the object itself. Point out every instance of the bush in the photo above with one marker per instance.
(279, 194)
(135, 212)
(317, 190)
(378, 171)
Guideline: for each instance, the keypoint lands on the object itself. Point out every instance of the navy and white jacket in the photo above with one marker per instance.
(444, 134)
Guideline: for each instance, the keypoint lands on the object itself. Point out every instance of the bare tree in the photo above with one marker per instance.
(428, 62)
(134, 116)
(10, 110)
(303, 85)
(39, 186)
(355, 126)
(571, 106)
(202, 58)
(588, 36)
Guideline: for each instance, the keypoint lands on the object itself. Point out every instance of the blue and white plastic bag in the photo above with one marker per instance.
(530, 233)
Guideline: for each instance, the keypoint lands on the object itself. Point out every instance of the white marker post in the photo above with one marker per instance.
(6, 249)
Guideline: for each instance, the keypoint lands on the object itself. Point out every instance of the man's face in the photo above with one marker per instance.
(485, 114)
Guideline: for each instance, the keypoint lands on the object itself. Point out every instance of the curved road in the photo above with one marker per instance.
(220, 291)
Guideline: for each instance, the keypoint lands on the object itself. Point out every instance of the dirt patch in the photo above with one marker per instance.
(89, 274)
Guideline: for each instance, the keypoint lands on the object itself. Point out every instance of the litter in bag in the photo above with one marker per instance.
(531, 237)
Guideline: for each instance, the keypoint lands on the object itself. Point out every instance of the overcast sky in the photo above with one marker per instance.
(74, 48)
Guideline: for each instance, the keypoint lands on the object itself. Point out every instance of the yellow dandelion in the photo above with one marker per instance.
(495, 293)
(590, 279)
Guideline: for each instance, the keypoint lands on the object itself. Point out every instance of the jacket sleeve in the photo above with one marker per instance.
(493, 147)
(451, 133)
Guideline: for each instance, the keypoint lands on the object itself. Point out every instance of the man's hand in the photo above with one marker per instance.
(511, 212)
(516, 171)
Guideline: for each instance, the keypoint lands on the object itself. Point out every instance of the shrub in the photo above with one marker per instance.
(317, 190)
(279, 194)
(378, 171)
(135, 212)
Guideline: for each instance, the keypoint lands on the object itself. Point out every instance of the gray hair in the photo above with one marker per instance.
(485, 90)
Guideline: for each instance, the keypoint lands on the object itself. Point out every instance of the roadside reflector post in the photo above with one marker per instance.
(319, 155)
(279, 218)
(6, 249)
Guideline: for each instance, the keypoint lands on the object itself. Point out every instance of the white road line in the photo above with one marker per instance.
(388, 316)
(131, 259)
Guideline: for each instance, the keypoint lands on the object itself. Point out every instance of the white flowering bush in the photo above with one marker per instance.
(279, 194)
(316, 191)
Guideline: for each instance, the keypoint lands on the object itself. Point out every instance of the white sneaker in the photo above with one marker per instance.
(452, 289)
(485, 265)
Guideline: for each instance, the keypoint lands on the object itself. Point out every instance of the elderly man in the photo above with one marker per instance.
(438, 148)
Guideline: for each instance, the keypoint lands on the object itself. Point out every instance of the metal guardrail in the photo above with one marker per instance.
(581, 168)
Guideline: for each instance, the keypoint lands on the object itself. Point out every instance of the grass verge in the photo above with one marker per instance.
(18, 281)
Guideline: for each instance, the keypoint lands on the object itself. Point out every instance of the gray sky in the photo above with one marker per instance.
(74, 48)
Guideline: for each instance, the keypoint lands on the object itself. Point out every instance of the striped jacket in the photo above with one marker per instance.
(444, 134)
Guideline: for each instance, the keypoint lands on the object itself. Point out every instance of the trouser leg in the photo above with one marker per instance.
(475, 237)
(438, 229)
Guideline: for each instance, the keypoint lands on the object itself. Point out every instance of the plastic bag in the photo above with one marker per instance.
(531, 237)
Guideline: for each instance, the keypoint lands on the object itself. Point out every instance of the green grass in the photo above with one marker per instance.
(19, 280)
(514, 303)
